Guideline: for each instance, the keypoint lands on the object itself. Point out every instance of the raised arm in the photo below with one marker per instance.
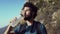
(9, 28)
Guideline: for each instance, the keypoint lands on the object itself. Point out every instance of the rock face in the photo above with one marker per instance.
(49, 14)
(2, 30)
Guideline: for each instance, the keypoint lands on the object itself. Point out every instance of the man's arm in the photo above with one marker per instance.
(8, 30)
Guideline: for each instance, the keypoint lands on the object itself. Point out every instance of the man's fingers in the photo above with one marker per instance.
(13, 20)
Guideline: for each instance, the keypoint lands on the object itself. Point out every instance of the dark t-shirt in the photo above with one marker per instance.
(36, 28)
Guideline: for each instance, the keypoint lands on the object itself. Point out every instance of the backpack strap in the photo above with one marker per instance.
(38, 28)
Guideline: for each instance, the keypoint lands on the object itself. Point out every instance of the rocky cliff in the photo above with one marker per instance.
(49, 14)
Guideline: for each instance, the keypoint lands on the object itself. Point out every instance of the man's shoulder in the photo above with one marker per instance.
(37, 22)
(41, 25)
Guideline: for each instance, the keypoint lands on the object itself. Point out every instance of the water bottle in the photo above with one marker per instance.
(16, 22)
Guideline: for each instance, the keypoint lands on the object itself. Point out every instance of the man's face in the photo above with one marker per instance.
(26, 12)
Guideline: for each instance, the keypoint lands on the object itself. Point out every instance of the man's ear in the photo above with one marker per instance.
(34, 14)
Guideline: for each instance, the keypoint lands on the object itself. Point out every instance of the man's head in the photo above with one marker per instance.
(29, 11)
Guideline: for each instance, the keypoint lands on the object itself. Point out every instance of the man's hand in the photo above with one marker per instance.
(13, 20)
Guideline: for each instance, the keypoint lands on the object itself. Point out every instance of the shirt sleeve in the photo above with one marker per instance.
(16, 30)
(43, 29)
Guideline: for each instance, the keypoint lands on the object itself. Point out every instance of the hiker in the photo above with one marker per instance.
(30, 26)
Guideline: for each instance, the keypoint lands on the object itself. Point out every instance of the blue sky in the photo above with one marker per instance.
(8, 10)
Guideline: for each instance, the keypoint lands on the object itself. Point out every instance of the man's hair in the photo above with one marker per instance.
(32, 7)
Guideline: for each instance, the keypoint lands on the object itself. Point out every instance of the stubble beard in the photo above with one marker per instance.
(27, 17)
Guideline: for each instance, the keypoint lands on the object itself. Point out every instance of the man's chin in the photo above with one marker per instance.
(26, 18)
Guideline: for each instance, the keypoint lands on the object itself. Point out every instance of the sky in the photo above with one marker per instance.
(8, 10)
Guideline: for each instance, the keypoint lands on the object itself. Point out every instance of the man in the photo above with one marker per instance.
(30, 26)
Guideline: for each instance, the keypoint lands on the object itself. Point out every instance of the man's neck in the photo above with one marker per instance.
(29, 23)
